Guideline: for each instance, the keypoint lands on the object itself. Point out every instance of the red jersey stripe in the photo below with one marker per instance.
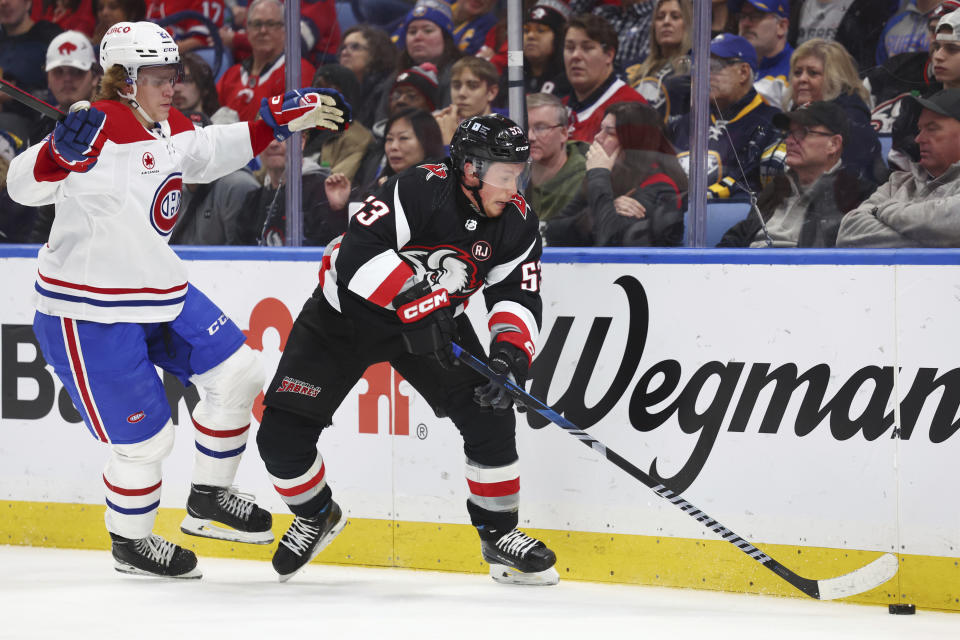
(131, 492)
(494, 489)
(110, 290)
(390, 286)
(306, 486)
(229, 433)
(76, 363)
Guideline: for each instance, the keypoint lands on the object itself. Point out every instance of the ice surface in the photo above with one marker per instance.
(58, 593)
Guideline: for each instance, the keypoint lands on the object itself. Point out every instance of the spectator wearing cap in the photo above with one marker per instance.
(415, 87)
(765, 23)
(426, 35)
(339, 151)
(369, 54)
(474, 85)
(741, 123)
(803, 206)
(543, 28)
(69, 15)
(23, 44)
(261, 75)
(919, 207)
(907, 30)
(664, 77)
(72, 76)
(856, 24)
(589, 47)
(472, 20)
(558, 164)
(823, 70)
(897, 117)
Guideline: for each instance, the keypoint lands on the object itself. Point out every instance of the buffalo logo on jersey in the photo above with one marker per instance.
(166, 204)
(439, 170)
(444, 267)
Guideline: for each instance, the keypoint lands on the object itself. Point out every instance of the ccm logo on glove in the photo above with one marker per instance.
(416, 310)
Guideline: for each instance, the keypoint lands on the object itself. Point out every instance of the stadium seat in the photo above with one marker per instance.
(886, 143)
(721, 215)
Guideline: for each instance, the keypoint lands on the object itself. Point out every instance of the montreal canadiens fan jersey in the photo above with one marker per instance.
(420, 224)
(107, 258)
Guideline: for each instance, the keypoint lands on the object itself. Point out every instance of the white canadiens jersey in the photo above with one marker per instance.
(107, 259)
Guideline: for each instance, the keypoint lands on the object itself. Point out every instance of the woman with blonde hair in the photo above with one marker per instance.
(666, 70)
(823, 70)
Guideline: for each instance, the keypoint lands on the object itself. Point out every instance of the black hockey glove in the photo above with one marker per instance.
(429, 326)
(510, 362)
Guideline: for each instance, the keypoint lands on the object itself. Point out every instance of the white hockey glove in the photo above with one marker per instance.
(305, 109)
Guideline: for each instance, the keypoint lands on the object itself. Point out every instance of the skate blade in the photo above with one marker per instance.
(210, 529)
(324, 542)
(508, 575)
(123, 567)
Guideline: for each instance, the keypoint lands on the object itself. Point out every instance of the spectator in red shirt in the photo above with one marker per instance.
(262, 74)
(589, 47)
(69, 15)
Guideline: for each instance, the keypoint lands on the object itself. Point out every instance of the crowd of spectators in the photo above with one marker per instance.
(834, 122)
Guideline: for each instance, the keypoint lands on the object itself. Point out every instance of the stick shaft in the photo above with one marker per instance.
(31, 101)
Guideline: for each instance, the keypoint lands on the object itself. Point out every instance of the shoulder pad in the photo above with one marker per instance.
(521, 204)
(434, 170)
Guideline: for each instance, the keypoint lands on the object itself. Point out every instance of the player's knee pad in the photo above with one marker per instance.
(286, 439)
(151, 451)
(229, 390)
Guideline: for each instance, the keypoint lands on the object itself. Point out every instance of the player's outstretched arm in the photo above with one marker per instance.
(305, 109)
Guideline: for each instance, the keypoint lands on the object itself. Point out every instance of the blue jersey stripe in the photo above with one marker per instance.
(220, 454)
(109, 303)
(133, 512)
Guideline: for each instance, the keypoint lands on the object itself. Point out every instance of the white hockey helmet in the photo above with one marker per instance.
(137, 44)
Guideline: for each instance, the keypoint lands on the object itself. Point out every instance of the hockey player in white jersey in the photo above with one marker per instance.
(114, 300)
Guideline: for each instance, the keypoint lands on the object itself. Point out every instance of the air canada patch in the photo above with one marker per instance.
(166, 204)
(439, 170)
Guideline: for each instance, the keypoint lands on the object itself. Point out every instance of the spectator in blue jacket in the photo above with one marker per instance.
(740, 121)
(906, 30)
(765, 24)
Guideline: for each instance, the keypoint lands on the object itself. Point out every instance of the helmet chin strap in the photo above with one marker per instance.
(132, 97)
(478, 201)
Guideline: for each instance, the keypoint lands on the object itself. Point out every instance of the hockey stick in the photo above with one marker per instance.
(863, 579)
(33, 102)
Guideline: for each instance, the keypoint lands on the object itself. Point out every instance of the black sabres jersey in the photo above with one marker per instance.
(420, 224)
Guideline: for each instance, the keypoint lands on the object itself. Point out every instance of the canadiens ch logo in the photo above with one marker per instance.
(166, 204)
(481, 250)
(148, 161)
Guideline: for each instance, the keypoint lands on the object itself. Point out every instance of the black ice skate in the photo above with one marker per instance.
(242, 521)
(153, 556)
(305, 538)
(516, 558)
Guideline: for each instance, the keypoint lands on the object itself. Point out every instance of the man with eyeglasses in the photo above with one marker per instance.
(919, 207)
(803, 206)
(740, 121)
(765, 23)
(558, 164)
(262, 74)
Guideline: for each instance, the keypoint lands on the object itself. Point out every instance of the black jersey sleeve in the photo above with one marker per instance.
(512, 291)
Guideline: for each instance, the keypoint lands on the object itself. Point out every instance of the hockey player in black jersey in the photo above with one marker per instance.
(393, 288)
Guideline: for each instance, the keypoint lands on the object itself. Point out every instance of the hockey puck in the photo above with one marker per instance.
(902, 609)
